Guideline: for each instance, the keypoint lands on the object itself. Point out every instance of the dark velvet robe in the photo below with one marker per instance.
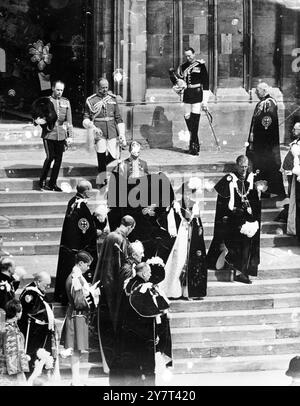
(111, 260)
(135, 342)
(152, 231)
(243, 252)
(78, 233)
(264, 150)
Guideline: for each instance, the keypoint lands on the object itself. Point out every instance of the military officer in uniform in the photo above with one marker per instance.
(133, 166)
(56, 139)
(37, 321)
(102, 117)
(195, 87)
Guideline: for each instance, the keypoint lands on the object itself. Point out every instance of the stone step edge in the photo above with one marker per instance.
(58, 228)
(57, 215)
(239, 343)
(55, 243)
(243, 327)
(231, 313)
(236, 360)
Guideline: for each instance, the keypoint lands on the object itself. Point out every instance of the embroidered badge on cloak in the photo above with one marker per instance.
(83, 225)
(266, 122)
(28, 298)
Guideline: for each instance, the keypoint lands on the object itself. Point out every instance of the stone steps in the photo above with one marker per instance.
(50, 247)
(27, 179)
(58, 205)
(258, 287)
(238, 302)
(213, 304)
(233, 289)
(247, 327)
(27, 137)
(234, 364)
(36, 196)
(35, 144)
(37, 207)
(31, 234)
(236, 349)
(234, 317)
(46, 232)
(235, 333)
(49, 263)
(55, 204)
(36, 221)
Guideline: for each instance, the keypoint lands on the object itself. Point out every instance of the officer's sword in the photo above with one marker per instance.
(27, 334)
(209, 118)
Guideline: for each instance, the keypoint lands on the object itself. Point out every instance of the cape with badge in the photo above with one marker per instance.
(78, 233)
(37, 323)
(235, 211)
(144, 334)
(148, 199)
(264, 150)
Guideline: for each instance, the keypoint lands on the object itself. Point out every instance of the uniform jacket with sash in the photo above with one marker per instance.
(105, 114)
(196, 77)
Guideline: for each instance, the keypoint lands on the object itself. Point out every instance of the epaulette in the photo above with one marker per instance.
(201, 61)
(112, 94)
(90, 97)
(64, 98)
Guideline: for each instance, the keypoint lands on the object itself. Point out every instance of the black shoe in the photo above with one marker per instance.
(43, 186)
(55, 188)
(242, 278)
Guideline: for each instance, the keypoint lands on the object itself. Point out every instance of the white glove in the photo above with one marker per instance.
(87, 123)
(40, 121)
(205, 99)
(122, 137)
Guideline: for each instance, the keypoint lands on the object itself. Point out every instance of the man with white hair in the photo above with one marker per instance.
(263, 148)
(139, 335)
(103, 118)
(37, 322)
(78, 233)
(8, 283)
(236, 241)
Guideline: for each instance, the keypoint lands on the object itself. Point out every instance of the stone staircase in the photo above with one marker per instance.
(235, 328)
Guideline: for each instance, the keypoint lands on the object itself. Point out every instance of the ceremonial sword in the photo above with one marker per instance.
(209, 118)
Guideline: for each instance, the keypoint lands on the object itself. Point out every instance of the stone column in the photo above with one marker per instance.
(132, 50)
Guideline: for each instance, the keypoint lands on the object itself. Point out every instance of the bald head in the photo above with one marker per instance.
(262, 89)
(7, 265)
(103, 86)
(84, 186)
(42, 280)
(143, 270)
(241, 159)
